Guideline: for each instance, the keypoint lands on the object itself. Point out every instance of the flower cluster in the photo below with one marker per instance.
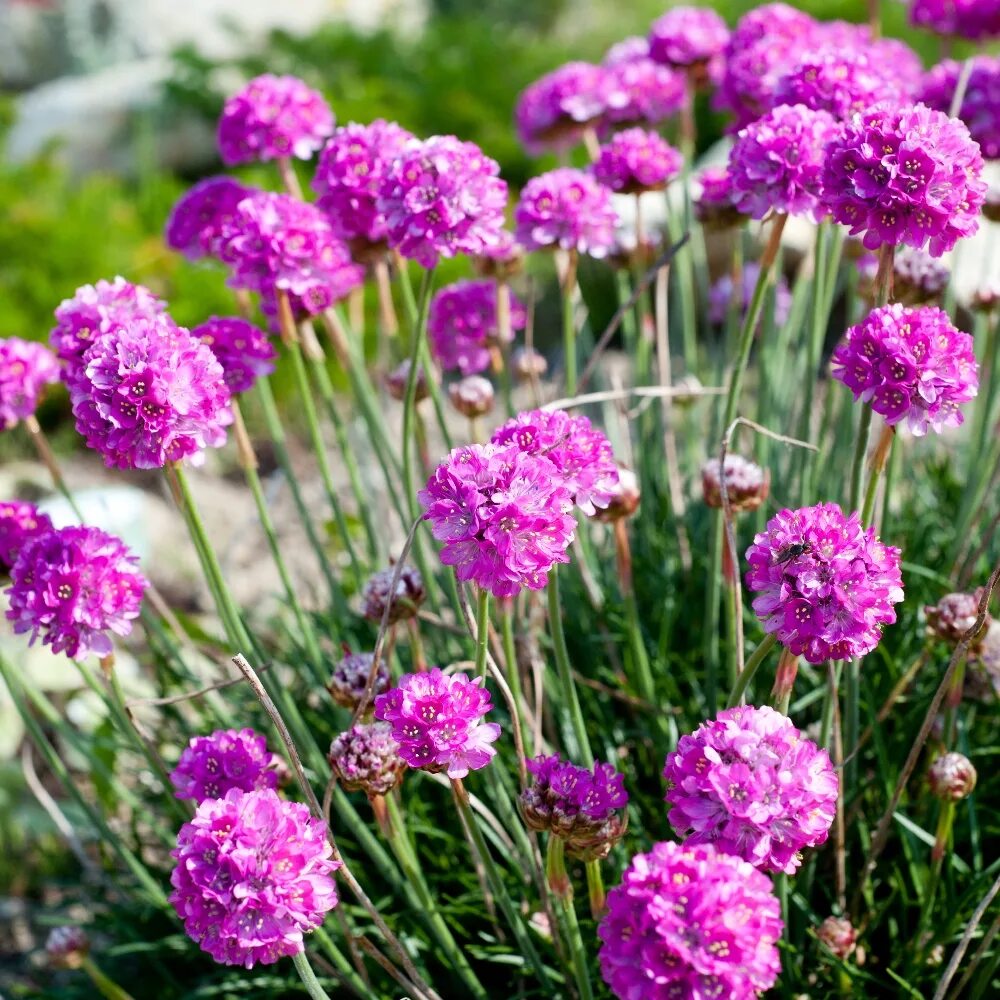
(909, 364)
(641, 92)
(228, 758)
(150, 393)
(972, 19)
(688, 36)
(253, 874)
(690, 922)
(838, 934)
(201, 214)
(749, 783)
(980, 108)
(366, 759)
(272, 118)
(747, 484)
(636, 160)
(503, 514)
(905, 175)
(952, 777)
(19, 523)
(625, 501)
(350, 678)
(350, 171)
(716, 205)
(552, 112)
(72, 586)
(25, 369)
(243, 350)
(581, 453)
(954, 615)
(583, 808)
(721, 295)
(437, 720)
(825, 584)
(462, 324)
(404, 602)
(566, 208)
(917, 277)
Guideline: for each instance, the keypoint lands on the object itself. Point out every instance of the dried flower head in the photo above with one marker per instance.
(350, 678)
(406, 599)
(716, 206)
(502, 260)
(244, 350)
(747, 484)
(721, 294)
(366, 759)
(635, 160)
(25, 369)
(552, 112)
(395, 381)
(982, 674)
(228, 758)
(980, 108)
(200, 215)
(838, 935)
(625, 501)
(951, 777)
(917, 277)
(19, 523)
(472, 396)
(527, 364)
(954, 615)
(66, 947)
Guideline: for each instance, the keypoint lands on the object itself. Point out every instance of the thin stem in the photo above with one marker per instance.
(858, 462)
(568, 289)
(106, 986)
(595, 889)
(756, 659)
(308, 977)
(514, 675)
(574, 727)
(482, 631)
(562, 891)
(712, 592)
(417, 335)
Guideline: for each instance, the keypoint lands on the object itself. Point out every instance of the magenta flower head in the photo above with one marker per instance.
(690, 922)
(19, 523)
(716, 206)
(437, 720)
(503, 514)
(462, 325)
(583, 808)
(350, 171)
(150, 393)
(366, 759)
(909, 364)
(826, 586)
(228, 758)
(972, 19)
(581, 453)
(553, 111)
(566, 208)
(442, 197)
(905, 175)
(636, 160)
(980, 108)
(244, 350)
(26, 368)
(688, 37)
(641, 92)
(720, 296)
(271, 118)
(253, 875)
(776, 163)
(752, 785)
(200, 215)
(349, 680)
(71, 586)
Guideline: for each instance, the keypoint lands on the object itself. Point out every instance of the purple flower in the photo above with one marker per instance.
(690, 922)
(350, 678)
(583, 808)
(909, 363)
(273, 117)
(243, 350)
(716, 205)
(462, 325)
(366, 759)
(752, 785)
(26, 368)
(980, 108)
(71, 586)
(200, 215)
(553, 111)
(405, 600)
(19, 523)
(566, 208)
(641, 92)
(350, 170)
(442, 197)
(636, 160)
(972, 19)
(253, 875)
(720, 296)
(909, 175)
(437, 720)
(917, 276)
(228, 758)
(503, 514)
(776, 163)
(688, 36)
(580, 452)
(627, 50)
(825, 584)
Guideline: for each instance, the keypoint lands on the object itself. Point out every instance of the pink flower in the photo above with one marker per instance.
(26, 368)
(641, 92)
(552, 112)
(366, 759)
(972, 19)
(243, 350)
(349, 680)
(252, 877)
(687, 36)
(636, 160)
(228, 758)
(716, 206)
(437, 720)
(980, 108)
(19, 523)
(198, 219)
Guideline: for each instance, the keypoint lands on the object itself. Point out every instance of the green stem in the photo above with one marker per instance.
(568, 290)
(595, 889)
(574, 727)
(852, 719)
(750, 668)
(514, 676)
(817, 333)
(858, 462)
(712, 588)
(562, 892)
(482, 631)
(410, 399)
(683, 266)
(308, 977)
(942, 839)
(106, 986)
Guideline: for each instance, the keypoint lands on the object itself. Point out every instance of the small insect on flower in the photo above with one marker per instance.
(789, 552)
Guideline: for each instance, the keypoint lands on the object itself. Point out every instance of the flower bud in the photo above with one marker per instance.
(952, 777)
(838, 935)
(625, 500)
(67, 947)
(991, 207)
(953, 616)
(350, 677)
(472, 396)
(747, 484)
(395, 381)
(366, 759)
(986, 298)
(526, 363)
(406, 601)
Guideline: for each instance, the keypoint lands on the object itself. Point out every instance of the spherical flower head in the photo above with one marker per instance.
(688, 36)
(66, 947)
(501, 260)
(752, 785)
(918, 278)
(826, 586)
(776, 163)
(627, 50)
(437, 720)
(580, 452)
(272, 118)
(982, 675)
(636, 160)
(747, 484)
(150, 393)
(442, 197)
(838, 935)
(350, 678)
(228, 758)
(566, 208)
(954, 615)
(19, 523)
(716, 205)
(625, 501)
(472, 396)
(366, 759)
(404, 602)
(720, 297)
(527, 364)
(462, 325)
(503, 514)
(972, 19)
(395, 381)
(70, 587)
(351, 169)
(909, 364)
(244, 350)
(98, 309)
(253, 876)
(690, 921)
(200, 215)
(552, 112)
(905, 175)
(26, 368)
(583, 808)
(980, 108)
(641, 92)
(952, 777)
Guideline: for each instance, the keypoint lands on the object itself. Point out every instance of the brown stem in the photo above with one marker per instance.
(289, 178)
(386, 306)
(623, 554)
(245, 454)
